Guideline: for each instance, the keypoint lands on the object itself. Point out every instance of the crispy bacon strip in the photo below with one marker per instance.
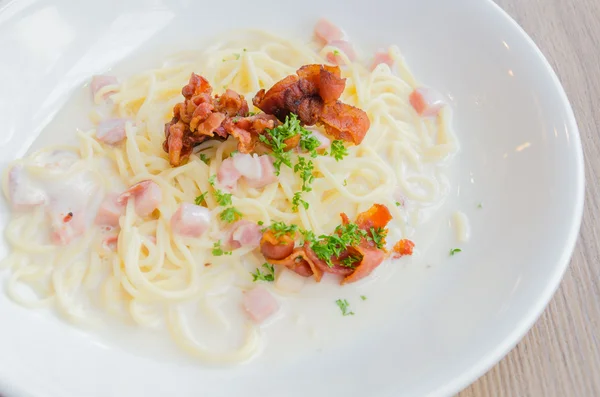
(403, 247)
(313, 95)
(201, 116)
(304, 261)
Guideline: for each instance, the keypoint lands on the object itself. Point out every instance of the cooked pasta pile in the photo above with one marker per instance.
(153, 273)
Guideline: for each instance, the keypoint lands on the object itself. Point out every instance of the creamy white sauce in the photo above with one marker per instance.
(306, 322)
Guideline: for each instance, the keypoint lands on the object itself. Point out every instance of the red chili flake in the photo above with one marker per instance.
(68, 217)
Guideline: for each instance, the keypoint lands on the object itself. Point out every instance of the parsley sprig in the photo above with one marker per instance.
(218, 250)
(200, 199)
(280, 229)
(378, 236)
(268, 275)
(338, 151)
(276, 137)
(230, 215)
(344, 307)
(344, 236)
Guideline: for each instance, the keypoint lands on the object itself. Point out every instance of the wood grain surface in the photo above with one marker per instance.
(560, 356)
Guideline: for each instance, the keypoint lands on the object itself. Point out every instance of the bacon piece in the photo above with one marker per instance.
(299, 262)
(190, 220)
(148, 197)
(327, 79)
(276, 248)
(101, 81)
(111, 131)
(326, 31)
(231, 104)
(371, 258)
(378, 216)
(247, 129)
(110, 211)
(426, 101)
(345, 122)
(244, 233)
(259, 304)
(382, 57)
(337, 268)
(403, 247)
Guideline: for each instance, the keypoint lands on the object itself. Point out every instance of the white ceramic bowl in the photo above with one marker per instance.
(521, 156)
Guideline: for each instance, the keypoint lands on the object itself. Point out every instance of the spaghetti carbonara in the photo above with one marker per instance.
(112, 226)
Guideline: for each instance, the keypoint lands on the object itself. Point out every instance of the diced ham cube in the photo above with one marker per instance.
(147, 194)
(110, 211)
(341, 46)
(228, 174)
(326, 32)
(382, 57)
(111, 131)
(110, 243)
(244, 233)
(66, 227)
(190, 220)
(101, 81)
(267, 175)
(248, 165)
(21, 193)
(426, 101)
(259, 304)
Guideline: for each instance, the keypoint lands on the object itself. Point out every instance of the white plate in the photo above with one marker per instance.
(520, 155)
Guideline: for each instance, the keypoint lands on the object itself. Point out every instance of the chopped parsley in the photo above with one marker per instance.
(200, 199)
(233, 153)
(455, 251)
(378, 235)
(224, 199)
(276, 138)
(336, 52)
(268, 275)
(305, 169)
(351, 261)
(230, 215)
(280, 229)
(344, 236)
(252, 113)
(345, 183)
(211, 180)
(218, 250)
(260, 223)
(363, 297)
(237, 56)
(344, 307)
(308, 142)
(204, 158)
(398, 204)
(297, 201)
(338, 150)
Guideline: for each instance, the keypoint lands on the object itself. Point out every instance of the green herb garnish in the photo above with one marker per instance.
(218, 250)
(338, 150)
(344, 307)
(455, 251)
(363, 297)
(200, 199)
(230, 215)
(280, 229)
(223, 199)
(378, 236)
(204, 158)
(268, 275)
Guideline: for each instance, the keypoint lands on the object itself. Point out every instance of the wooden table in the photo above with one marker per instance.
(561, 354)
